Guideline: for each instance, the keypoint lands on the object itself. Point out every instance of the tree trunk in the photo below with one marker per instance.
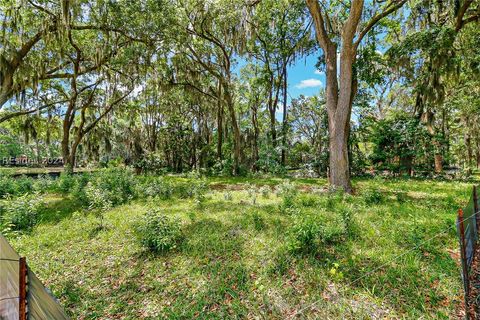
(219, 123)
(284, 119)
(235, 128)
(256, 133)
(339, 169)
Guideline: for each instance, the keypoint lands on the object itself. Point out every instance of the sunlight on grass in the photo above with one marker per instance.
(235, 261)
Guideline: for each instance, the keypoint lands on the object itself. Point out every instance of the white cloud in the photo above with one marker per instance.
(309, 83)
(319, 72)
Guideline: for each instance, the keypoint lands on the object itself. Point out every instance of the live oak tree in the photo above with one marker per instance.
(340, 30)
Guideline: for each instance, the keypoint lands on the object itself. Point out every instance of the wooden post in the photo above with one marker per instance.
(22, 287)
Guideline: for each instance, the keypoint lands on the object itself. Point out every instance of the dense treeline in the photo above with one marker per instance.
(193, 85)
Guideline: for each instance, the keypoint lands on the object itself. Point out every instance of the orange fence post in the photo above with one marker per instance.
(22, 305)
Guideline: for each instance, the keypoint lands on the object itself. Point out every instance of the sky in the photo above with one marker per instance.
(304, 78)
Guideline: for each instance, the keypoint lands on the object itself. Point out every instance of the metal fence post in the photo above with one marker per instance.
(463, 255)
(22, 304)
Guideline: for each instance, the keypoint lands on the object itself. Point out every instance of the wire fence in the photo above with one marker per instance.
(22, 295)
(468, 226)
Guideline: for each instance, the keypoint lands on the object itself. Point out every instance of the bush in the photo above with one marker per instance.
(401, 196)
(23, 185)
(288, 192)
(228, 196)
(65, 183)
(98, 201)
(22, 213)
(77, 190)
(7, 186)
(252, 191)
(158, 232)
(43, 184)
(309, 233)
(157, 187)
(373, 197)
(349, 223)
(258, 221)
(265, 191)
(117, 183)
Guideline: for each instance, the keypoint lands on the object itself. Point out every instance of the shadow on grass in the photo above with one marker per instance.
(59, 209)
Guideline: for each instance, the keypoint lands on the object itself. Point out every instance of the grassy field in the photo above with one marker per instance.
(390, 251)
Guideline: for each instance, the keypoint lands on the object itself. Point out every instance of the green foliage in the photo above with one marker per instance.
(43, 184)
(398, 141)
(99, 201)
(258, 220)
(158, 232)
(65, 183)
(7, 186)
(310, 233)
(373, 197)
(288, 192)
(10, 186)
(252, 191)
(21, 213)
(118, 184)
(156, 187)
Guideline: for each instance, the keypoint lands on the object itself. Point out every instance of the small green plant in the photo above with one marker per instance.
(308, 200)
(401, 196)
(349, 223)
(22, 213)
(252, 191)
(65, 183)
(288, 192)
(258, 221)
(265, 192)
(373, 196)
(310, 233)
(228, 196)
(158, 232)
(98, 202)
(157, 188)
(43, 184)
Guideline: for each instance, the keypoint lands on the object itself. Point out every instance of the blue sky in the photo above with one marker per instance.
(303, 78)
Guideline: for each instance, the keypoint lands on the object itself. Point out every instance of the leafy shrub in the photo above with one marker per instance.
(7, 186)
(288, 192)
(373, 196)
(157, 188)
(309, 233)
(349, 223)
(98, 201)
(252, 193)
(401, 196)
(334, 197)
(308, 200)
(65, 183)
(265, 192)
(228, 196)
(23, 185)
(77, 190)
(158, 232)
(117, 183)
(258, 221)
(43, 183)
(22, 213)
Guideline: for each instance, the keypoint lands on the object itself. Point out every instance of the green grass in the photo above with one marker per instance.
(234, 261)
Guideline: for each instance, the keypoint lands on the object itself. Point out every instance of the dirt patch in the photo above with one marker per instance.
(474, 294)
